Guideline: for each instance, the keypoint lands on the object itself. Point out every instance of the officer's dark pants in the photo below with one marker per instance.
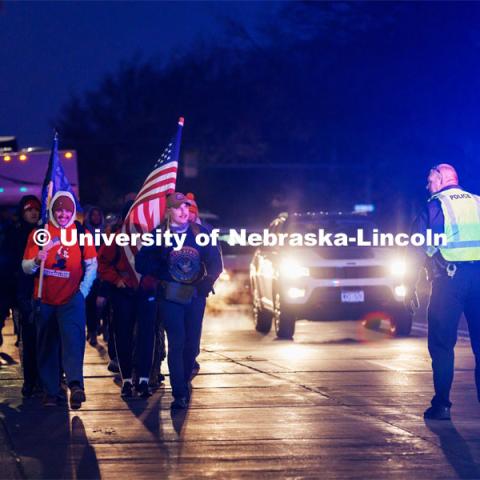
(61, 329)
(450, 298)
(183, 324)
(29, 342)
(129, 307)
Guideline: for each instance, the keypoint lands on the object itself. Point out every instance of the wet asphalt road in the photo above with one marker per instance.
(338, 401)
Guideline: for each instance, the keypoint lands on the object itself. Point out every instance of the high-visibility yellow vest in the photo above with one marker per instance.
(461, 211)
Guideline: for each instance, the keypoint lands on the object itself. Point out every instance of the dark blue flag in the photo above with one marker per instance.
(56, 177)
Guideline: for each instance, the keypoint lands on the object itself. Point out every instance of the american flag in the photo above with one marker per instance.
(148, 210)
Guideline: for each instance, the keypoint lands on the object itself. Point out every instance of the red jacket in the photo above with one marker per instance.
(113, 266)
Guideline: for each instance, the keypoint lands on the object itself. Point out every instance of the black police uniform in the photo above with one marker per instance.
(455, 290)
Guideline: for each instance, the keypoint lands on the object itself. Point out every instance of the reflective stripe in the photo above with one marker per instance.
(464, 244)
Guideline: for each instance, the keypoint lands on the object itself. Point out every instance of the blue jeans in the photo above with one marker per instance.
(61, 331)
(450, 298)
(183, 324)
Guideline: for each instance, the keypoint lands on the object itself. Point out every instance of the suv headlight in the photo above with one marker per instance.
(398, 268)
(225, 276)
(291, 268)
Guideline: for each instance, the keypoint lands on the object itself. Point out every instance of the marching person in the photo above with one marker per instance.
(454, 270)
(194, 214)
(193, 209)
(15, 242)
(133, 304)
(94, 221)
(186, 279)
(113, 223)
(7, 292)
(68, 276)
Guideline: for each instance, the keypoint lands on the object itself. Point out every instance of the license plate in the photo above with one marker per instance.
(353, 296)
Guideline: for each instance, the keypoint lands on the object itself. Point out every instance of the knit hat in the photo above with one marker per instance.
(193, 208)
(62, 199)
(63, 202)
(30, 201)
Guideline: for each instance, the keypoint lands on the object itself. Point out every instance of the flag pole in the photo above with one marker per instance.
(180, 123)
(49, 198)
(42, 264)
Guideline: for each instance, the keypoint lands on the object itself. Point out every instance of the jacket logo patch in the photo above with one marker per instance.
(48, 272)
(61, 258)
(184, 265)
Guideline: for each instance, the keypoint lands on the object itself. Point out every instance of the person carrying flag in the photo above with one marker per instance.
(133, 296)
(68, 276)
(64, 277)
(186, 277)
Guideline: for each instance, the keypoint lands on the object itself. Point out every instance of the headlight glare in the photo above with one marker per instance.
(400, 291)
(225, 276)
(398, 268)
(296, 292)
(291, 268)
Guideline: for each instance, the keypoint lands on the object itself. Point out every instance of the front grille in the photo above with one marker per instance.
(374, 296)
(344, 253)
(368, 271)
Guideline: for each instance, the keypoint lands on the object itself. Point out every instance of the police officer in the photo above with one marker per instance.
(186, 277)
(454, 270)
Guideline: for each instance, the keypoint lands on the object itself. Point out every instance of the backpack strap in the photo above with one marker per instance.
(80, 230)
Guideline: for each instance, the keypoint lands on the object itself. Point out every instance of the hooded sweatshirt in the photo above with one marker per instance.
(88, 224)
(15, 242)
(63, 267)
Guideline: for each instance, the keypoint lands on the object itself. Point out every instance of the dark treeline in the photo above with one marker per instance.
(327, 105)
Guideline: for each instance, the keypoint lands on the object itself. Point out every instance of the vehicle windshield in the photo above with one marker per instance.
(237, 249)
(348, 226)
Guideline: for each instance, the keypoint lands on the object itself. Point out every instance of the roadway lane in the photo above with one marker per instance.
(337, 402)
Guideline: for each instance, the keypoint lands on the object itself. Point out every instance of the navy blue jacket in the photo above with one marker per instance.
(153, 261)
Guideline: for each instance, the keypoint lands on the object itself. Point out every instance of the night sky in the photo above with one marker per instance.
(384, 89)
(52, 49)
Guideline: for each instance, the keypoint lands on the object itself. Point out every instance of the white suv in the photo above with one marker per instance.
(309, 282)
